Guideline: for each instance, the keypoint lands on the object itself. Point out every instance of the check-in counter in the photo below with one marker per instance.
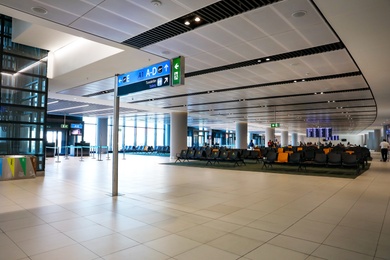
(17, 167)
(78, 148)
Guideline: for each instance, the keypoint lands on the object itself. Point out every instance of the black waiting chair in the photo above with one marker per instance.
(234, 157)
(334, 159)
(190, 154)
(350, 160)
(295, 159)
(270, 159)
(213, 156)
(309, 155)
(320, 159)
(182, 156)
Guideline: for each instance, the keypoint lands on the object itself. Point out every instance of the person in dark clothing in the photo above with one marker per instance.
(251, 145)
(384, 149)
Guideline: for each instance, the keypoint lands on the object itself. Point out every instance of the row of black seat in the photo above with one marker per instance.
(144, 149)
(308, 153)
(333, 159)
(213, 156)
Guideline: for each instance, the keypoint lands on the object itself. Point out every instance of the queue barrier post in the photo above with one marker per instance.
(108, 153)
(66, 153)
(58, 154)
(100, 153)
(93, 151)
(81, 153)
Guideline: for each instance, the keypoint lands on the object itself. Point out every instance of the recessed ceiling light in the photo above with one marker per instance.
(39, 10)
(197, 19)
(156, 2)
(187, 23)
(299, 14)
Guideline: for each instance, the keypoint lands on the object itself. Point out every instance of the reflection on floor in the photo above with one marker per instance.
(169, 212)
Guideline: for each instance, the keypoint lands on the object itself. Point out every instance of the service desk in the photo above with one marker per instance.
(78, 149)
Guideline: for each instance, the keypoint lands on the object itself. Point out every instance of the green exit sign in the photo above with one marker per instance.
(178, 71)
(273, 125)
(64, 126)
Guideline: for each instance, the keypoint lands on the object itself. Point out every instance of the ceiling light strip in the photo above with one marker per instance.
(283, 56)
(67, 108)
(212, 13)
(90, 111)
(328, 77)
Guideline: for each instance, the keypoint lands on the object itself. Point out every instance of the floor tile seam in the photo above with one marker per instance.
(281, 233)
(170, 233)
(200, 244)
(81, 243)
(231, 233)
(299, 219)
(207, 243)
(140, 244)
(358, 228)
(319, 245)
(58, 205)
(16, 244)
(339, 223)
(98, 224)
(346, 249)
(382, 226)
(77, 243)
(267, 242)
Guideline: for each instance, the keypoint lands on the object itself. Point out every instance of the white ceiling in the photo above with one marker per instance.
(258, 94)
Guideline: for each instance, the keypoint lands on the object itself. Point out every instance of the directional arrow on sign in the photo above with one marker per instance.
(166, 79)
(166, 67)
(177, 66)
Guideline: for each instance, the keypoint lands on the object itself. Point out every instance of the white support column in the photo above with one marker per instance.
(178, 133)
(284, 139)
(377, 140)
(294, 139)
(371, 141)
(269, 135)
(241, 135)
(102, 131)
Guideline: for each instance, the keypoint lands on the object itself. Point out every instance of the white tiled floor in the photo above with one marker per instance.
(180, 213)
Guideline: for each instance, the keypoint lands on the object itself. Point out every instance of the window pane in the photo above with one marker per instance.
(21, 146)
(9, 130)
(129, 136)
(13, 113)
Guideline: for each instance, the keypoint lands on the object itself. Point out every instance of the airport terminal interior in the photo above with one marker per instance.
(126, 129)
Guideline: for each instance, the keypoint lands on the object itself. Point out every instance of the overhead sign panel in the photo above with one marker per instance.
(178, 71)
(274, 125)
(154, 76)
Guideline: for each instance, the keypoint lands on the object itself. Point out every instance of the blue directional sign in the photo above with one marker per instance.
(154, 76)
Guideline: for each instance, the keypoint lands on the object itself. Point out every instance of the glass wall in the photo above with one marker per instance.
(144, 130)
(23, 95)
(90, 127)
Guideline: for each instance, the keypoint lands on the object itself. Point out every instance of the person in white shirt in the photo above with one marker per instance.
(384, 149)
